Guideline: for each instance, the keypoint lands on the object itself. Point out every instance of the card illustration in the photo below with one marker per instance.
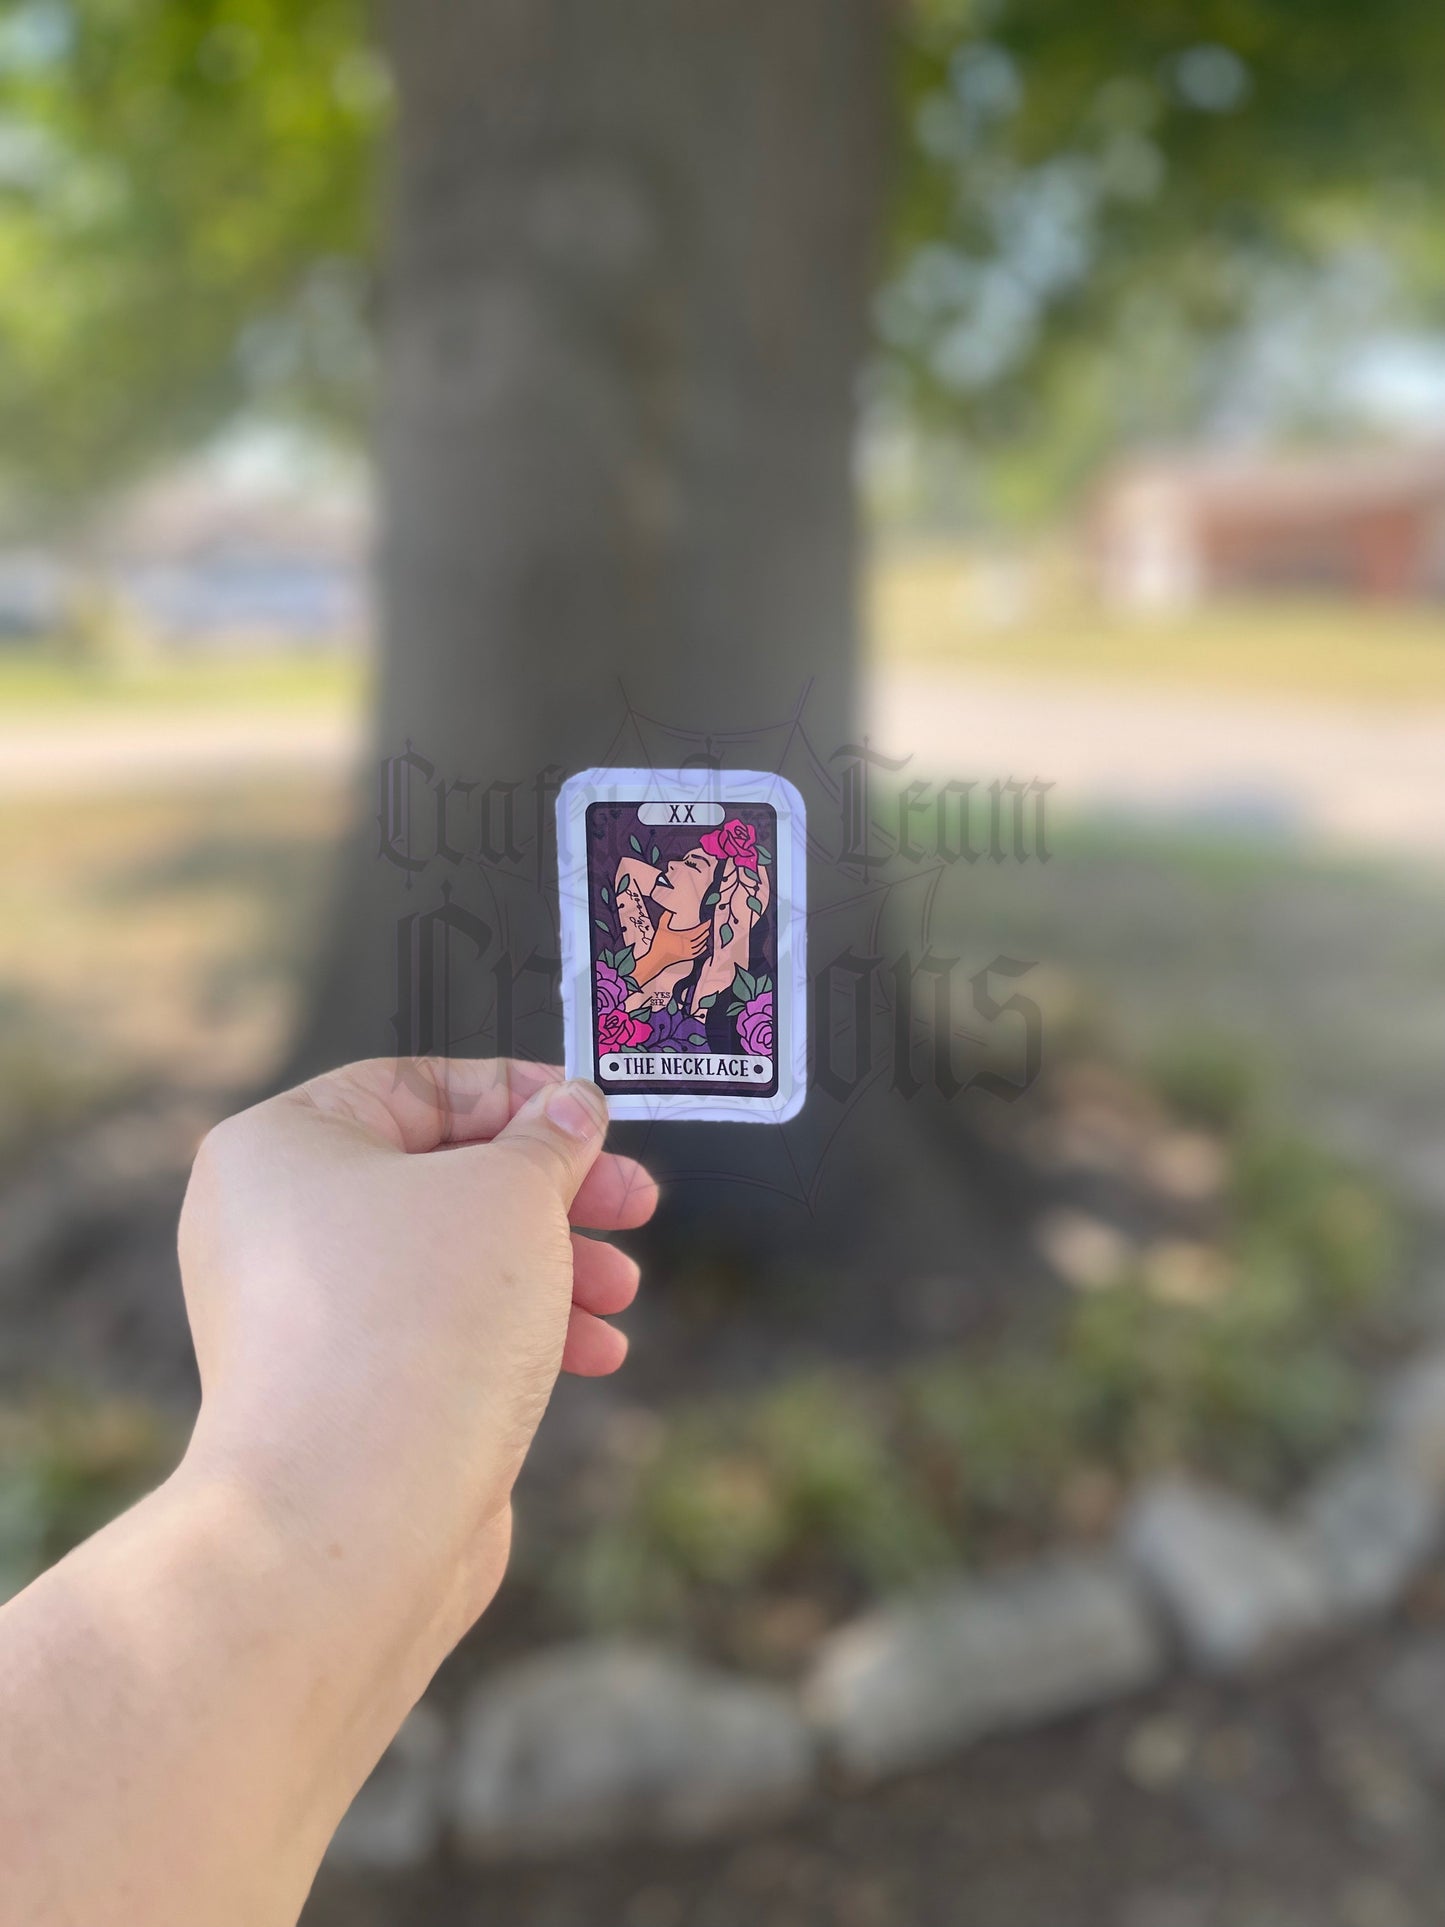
(683, 983)
(684, 949)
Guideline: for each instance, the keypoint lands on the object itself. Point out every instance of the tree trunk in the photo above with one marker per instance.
(632, 250)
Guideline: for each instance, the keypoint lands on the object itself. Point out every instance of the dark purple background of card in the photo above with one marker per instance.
(609, 826)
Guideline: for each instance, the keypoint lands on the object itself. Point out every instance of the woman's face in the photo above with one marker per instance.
(682, 887)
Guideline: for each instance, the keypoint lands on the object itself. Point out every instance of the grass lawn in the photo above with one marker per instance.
(160, 939)
(32, 680)
(154, 939)
(924, 609)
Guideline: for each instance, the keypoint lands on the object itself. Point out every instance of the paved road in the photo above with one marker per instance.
(104, 753)
(1369, 778)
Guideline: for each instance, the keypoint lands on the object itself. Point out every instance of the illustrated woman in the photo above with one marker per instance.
(708, 904)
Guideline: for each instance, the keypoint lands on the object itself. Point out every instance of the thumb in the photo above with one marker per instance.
(560, 1129)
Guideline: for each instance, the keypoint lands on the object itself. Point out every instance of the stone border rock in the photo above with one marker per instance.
(605, 1740)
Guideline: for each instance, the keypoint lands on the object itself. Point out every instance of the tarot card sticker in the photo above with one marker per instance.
(684, 966)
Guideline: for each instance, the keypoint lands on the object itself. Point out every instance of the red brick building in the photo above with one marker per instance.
(1366, 524)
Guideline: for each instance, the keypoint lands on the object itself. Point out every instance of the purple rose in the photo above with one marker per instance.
(755, 1025)
(677, 1030)
(611, 991)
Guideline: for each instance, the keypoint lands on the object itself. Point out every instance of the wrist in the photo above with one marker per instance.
(379, 1576)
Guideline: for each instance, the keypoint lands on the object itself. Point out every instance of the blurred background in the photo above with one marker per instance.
(1062, 390)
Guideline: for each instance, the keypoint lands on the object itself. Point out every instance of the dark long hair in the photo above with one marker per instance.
(716, 1020)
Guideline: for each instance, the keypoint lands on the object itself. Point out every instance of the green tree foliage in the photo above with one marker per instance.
(186, 217)
(1090, 200)
(1099, 203)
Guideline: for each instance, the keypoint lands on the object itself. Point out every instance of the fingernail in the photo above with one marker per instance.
(578, 1108)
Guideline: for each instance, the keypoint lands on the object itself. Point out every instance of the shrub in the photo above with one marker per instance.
(850, 1485)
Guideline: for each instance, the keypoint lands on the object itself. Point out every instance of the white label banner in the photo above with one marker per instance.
(689, 1067)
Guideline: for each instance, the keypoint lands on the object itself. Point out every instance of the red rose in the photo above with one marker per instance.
(617, 1029)
(735, 839)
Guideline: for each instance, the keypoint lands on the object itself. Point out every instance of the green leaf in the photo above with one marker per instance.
(743, 982)
(733, 1009)
(710, 899)
(635, 844)
(755, 906)
(656, 856)
(625, 962)
(749, 876)
(706, 1003)
(672, 1005)
(725, 935)
(606, 894)
(764, 856)
(624, 883)
(763, 983)
(601, 925)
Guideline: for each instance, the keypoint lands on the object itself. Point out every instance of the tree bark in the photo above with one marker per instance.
(631, 256)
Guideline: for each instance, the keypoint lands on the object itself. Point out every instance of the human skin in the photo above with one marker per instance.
(630, 887)
(670, 946)
(664, 953)
(681, 887)
(383, 1283)
(684, 883)
(674, 940)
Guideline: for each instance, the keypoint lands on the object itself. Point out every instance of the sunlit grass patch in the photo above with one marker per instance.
(928, 605)
(160, 938)
(41, 682)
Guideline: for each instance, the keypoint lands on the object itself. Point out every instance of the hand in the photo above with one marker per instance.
(382, 1287)
(670, 946)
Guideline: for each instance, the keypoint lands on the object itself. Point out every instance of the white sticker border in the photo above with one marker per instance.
(789, 893)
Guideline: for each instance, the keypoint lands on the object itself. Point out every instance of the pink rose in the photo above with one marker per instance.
(617, 1029)
(735, 839)
(755, 1025)
(611, 991)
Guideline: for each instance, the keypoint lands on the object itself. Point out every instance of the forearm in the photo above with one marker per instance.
(188, 1704)
(189, 1701)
